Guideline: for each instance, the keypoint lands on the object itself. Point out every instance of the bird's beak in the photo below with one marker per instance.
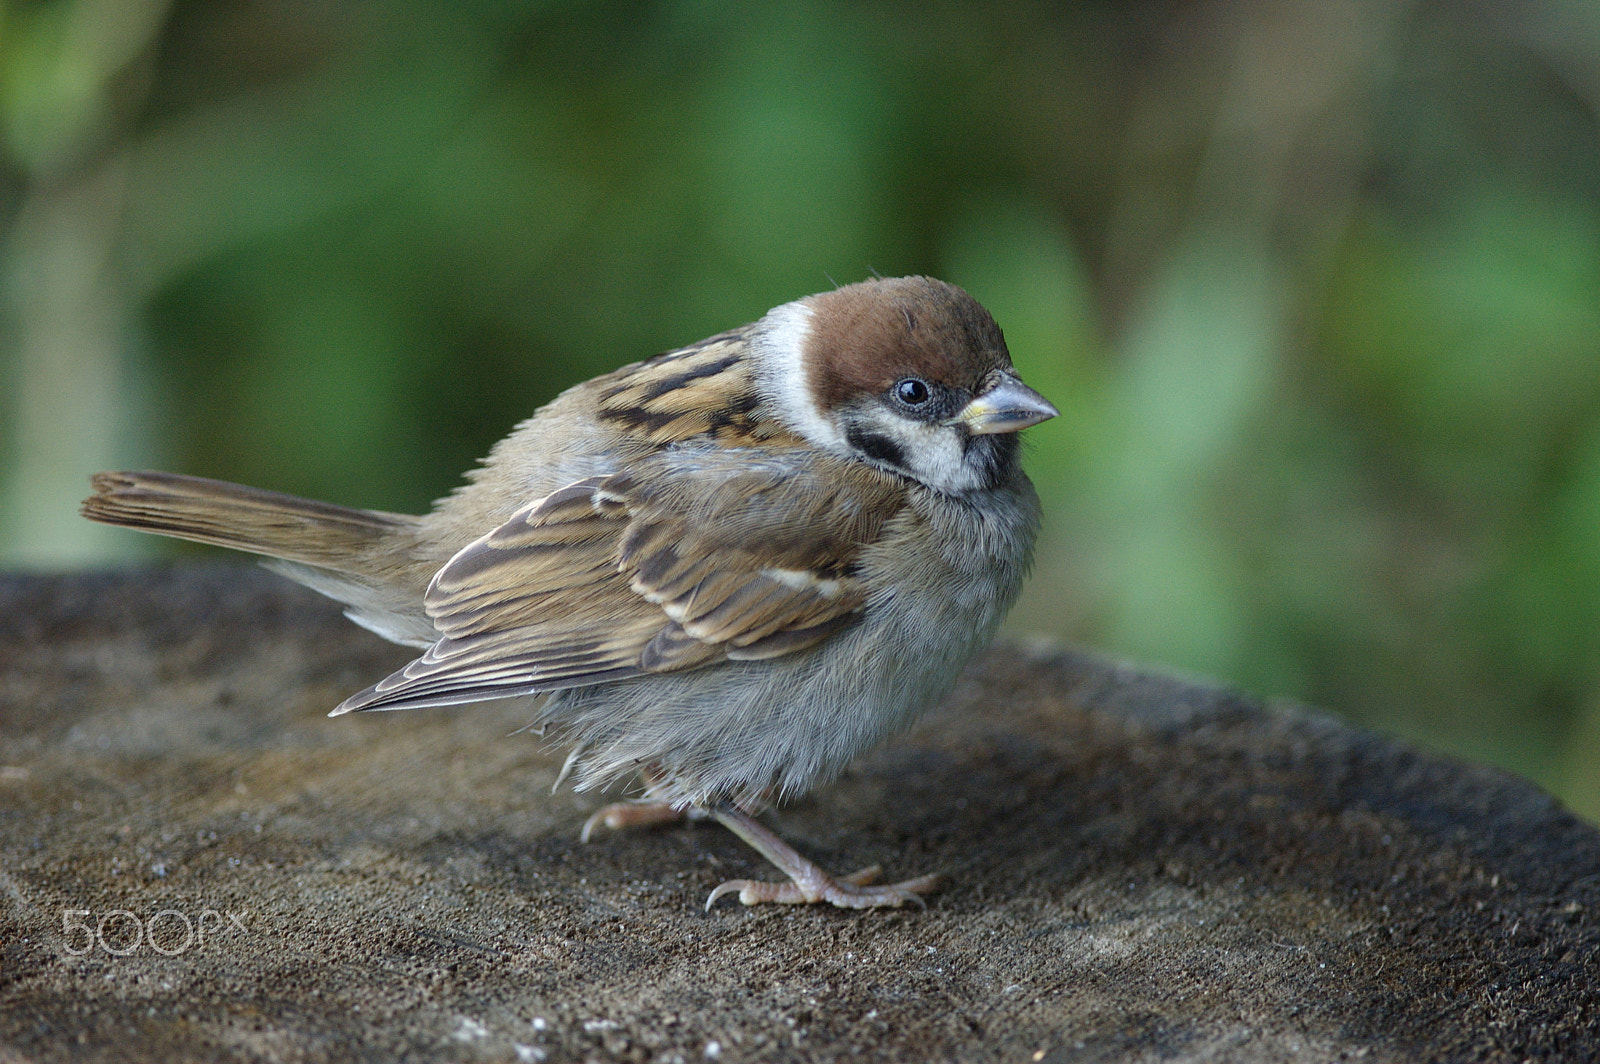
(1006, 406)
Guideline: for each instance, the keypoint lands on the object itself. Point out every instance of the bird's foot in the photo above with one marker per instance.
(808, 883)
(620, 816)
(853, 891)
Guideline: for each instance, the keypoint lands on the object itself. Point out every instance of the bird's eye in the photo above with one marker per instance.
(912, 392)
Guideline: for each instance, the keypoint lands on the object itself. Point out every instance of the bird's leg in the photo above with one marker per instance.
(807, 882)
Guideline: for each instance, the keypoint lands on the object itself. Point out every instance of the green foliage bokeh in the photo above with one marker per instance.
(1315, 283)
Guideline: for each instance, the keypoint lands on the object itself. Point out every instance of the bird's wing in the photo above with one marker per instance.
(699, 554)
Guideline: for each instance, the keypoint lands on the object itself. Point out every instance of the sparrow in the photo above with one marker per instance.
(728, 569)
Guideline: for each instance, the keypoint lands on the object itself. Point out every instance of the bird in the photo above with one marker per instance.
(728, 569)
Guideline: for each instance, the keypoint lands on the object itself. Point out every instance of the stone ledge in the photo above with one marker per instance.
(1141, 868)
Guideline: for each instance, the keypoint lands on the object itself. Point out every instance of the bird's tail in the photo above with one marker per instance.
(304, 531)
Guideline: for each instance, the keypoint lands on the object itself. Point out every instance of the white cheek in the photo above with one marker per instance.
(932, 454)
(937, 460)
(783, 334)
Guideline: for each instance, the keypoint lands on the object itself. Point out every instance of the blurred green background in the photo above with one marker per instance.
(1315, 283)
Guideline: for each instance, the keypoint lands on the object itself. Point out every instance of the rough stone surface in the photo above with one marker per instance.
(196, 863)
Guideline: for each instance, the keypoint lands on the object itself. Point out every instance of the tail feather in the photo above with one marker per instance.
(299, 530)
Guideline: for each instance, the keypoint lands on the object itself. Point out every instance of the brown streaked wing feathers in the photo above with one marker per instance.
(705, 553)
(705, 389)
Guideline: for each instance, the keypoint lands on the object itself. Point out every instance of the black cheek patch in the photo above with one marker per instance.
(878, 448)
